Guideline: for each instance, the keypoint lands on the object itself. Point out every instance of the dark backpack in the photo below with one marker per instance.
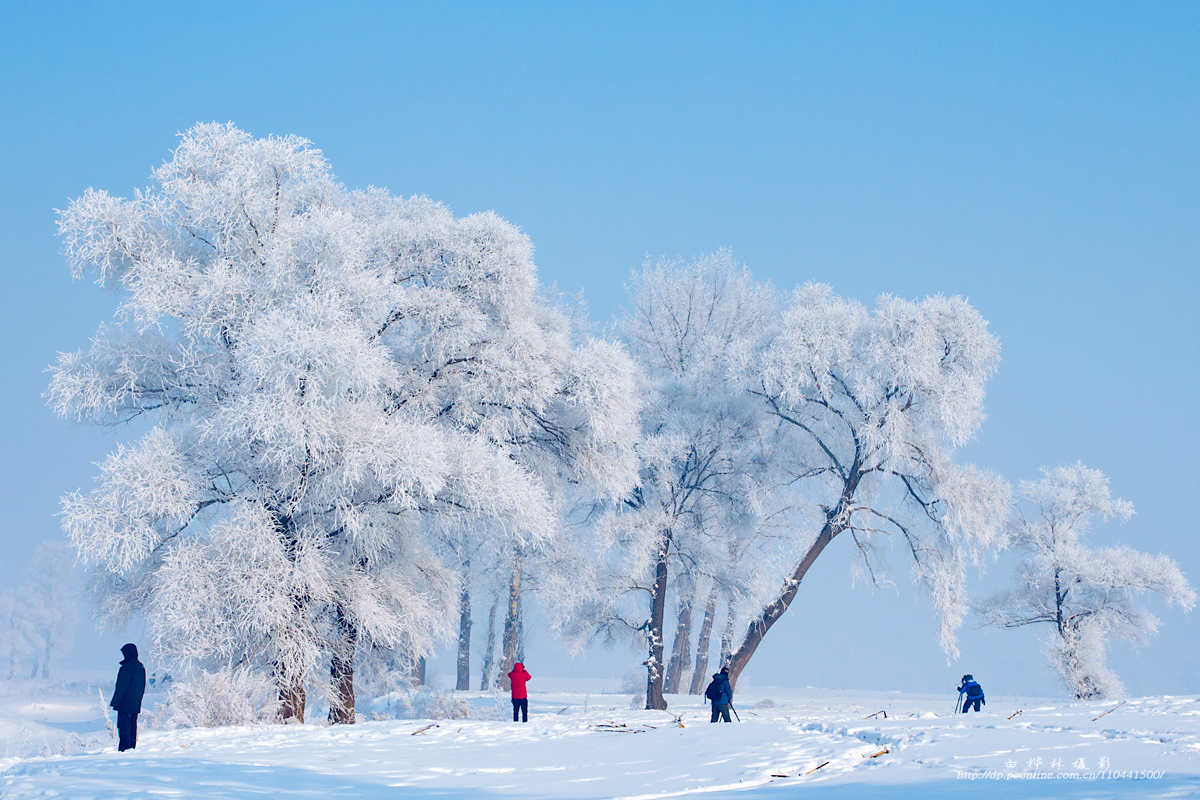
(719, 691)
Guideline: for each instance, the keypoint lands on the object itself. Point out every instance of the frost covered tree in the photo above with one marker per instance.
(482, 559)
(48, 604)
(1082, 594)
(701, 452)
(327, 371)
(14, 633)
(872, 405)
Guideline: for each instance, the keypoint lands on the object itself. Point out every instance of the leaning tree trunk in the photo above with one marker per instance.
(654, 630)
(489, 651)
(341, 671)
(464, 637)
(681, 648)
(512, 632)
(837, 519)
(700, 673)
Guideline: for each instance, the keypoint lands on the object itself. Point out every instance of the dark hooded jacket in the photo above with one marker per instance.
(719, 691)
(131, 682)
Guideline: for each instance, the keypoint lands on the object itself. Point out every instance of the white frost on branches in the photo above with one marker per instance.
(327, 370)
(1084, 594)
(701, 451)
(873, 405)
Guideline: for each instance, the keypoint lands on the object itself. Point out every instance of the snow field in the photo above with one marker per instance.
(39, 726)
(565, 751)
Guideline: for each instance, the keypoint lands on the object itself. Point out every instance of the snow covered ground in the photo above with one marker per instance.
(574, 747)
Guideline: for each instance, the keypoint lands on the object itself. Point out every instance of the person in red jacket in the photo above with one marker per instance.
(520, 698)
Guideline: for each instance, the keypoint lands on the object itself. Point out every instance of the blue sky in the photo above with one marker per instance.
(1040, 159)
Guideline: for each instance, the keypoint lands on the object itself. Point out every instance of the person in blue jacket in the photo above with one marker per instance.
(721, 695)
(973, 692)
(127, 696)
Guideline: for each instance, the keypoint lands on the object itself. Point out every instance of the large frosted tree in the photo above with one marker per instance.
(1082, 595)
(49, 609)
(702, 455)
(325, 370)
(14, 634)
(871, 406)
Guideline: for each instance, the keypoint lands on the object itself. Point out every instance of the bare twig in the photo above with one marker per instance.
(1106, 713)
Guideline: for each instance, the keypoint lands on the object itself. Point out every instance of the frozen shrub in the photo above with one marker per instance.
(420, 703)
(236, 696)
(436, 704)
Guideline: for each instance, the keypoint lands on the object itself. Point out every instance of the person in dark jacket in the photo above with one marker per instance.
(520, 698)
(973, 692)
(127, 696)
(720, 693)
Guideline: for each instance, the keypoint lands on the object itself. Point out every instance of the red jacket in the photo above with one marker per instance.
(518, 677)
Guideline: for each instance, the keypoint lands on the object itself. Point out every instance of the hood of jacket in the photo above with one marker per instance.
(130, 652)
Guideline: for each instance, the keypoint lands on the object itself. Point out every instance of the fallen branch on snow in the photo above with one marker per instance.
(1106, 713)
(615, 727)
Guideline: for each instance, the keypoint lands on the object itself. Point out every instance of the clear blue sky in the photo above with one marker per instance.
(1041, 159)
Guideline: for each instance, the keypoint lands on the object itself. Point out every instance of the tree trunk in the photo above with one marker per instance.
(836, 520)
(727, 633)
(700, 673)
(1059, 597)
(489, 652)
(464, 638)
(681, 648)
(418, 671)
(341, 672)
(511, 626)
(46, 658)
(520, 634)
(292, 695)
(291, 698)
(658, 605)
